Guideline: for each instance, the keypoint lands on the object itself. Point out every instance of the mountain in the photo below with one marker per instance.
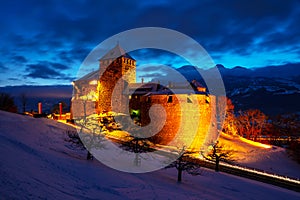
(49, 91)
(286, 71)
(236, 71)
(273, 89)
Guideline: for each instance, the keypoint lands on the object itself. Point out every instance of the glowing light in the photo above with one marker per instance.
(93, 82)
(257, 144)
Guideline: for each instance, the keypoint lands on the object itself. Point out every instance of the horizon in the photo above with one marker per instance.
(141, 74)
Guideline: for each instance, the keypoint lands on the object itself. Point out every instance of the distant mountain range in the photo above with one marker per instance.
(273, 89)
(286, 71)
(54, 91)
(47, 95)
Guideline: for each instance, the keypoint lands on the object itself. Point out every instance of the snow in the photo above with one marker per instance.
(38, 163)
(273, 160)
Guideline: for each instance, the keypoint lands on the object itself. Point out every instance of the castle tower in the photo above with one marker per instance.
(116, 66)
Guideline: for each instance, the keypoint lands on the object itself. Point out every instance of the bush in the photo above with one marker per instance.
(7, 103)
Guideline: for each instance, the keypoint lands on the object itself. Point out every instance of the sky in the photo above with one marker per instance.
(45, 42)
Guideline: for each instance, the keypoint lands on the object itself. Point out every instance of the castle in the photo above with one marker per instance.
(187, 106)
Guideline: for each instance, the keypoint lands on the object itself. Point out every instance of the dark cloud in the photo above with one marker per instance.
(74, 54)
(3, 67)
(47, 70)
(19, 59)
(58, 66)
(14, 79)
(147, 56)
(226, 25)
(42, 71)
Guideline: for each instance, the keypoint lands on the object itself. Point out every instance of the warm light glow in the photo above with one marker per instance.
(257, 144)
(93, 82)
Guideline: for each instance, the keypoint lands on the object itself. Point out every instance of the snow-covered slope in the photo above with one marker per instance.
(37, 163)
(273, 160)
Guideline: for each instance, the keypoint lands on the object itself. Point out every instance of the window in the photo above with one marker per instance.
(170, 99)
(188, 100)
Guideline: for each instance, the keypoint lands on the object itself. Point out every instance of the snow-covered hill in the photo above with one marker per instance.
(272, 160)
(38, 163)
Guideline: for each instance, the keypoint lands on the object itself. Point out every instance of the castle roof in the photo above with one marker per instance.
(90, 76)
(116, 52)
(157, 89)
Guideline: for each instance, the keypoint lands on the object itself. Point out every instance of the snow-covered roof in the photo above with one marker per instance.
(116, 52)
(90, 76)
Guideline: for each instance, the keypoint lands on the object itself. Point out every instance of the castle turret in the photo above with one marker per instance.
(116, 66)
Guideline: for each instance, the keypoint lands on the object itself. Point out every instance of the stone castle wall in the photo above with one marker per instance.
(82, 108)
(115, 75)
(189, 118)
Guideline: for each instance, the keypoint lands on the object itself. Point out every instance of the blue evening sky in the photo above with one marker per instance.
(44, 42)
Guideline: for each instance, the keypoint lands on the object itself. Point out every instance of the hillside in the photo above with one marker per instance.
(273, 160)
(38, 163)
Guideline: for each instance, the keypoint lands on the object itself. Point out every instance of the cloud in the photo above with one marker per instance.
(73, 55)
(14, 79)
(47, 70)
(3, 67)
(19, 59)
(157, 57)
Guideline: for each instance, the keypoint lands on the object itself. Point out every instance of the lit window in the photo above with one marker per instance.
(93, 82)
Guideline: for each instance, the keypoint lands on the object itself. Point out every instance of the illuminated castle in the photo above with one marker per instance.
(114, 88)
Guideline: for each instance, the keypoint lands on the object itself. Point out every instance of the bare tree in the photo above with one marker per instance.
(251, 123)
(24, 101)
(7, 103)
(185, 162)
(137, 146)
(219, 153)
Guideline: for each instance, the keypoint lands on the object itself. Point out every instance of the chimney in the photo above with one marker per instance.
(60, 110)
(40, 108)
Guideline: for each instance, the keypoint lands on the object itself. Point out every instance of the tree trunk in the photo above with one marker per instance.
(217, 164)
(89, 156)
(24, 108)
(137, 161)
(179, 175)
